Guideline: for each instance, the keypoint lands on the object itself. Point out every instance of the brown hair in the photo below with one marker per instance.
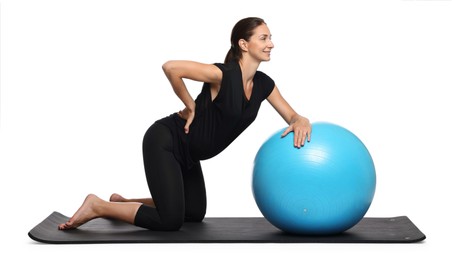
(243, 29)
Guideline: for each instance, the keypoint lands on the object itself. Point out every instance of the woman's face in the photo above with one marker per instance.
(260, 44)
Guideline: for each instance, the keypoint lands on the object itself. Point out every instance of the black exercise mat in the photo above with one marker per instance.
(221, 230)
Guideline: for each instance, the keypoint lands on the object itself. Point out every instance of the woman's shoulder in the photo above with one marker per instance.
(230, 66)
(262, 76)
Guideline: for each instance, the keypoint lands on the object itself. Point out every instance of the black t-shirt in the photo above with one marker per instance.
(219, 122)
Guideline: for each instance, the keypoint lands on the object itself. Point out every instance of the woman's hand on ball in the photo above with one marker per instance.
(301, 127)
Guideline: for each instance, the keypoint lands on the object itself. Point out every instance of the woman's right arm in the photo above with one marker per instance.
(176, 71)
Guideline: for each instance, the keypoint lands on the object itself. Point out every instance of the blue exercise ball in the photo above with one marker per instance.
(322, 188)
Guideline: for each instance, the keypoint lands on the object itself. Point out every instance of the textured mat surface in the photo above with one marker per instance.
(221, 230)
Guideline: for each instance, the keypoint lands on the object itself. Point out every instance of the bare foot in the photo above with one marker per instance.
(115, 197)
(85, 213)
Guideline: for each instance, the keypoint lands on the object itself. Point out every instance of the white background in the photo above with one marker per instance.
(81, 81)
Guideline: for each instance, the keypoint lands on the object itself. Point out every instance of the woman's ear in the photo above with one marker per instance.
(243, 45)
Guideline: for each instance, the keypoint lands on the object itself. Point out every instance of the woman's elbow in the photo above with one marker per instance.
(167, 67)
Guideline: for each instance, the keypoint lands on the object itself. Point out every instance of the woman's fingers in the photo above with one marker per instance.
(187, 125)
(188, 116)
(288, 130)
(301, 135)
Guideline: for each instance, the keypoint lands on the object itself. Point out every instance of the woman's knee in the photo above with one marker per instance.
(195, 212)
(195, 217)
(172, 225)
(149, 218)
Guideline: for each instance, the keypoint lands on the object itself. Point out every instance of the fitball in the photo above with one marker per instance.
(323, 188)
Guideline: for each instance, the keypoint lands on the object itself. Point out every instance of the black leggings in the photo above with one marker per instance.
(179, 194)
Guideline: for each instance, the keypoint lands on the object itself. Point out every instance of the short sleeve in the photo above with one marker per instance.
(265, 84)
(221, 66)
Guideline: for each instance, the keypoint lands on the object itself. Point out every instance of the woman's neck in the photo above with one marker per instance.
(249, 69)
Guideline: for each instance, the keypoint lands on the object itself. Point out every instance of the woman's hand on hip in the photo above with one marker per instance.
(188, 115)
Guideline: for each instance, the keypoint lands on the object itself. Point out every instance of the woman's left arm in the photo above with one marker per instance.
(298, 124)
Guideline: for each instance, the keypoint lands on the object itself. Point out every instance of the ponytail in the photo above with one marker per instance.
(232, 55)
